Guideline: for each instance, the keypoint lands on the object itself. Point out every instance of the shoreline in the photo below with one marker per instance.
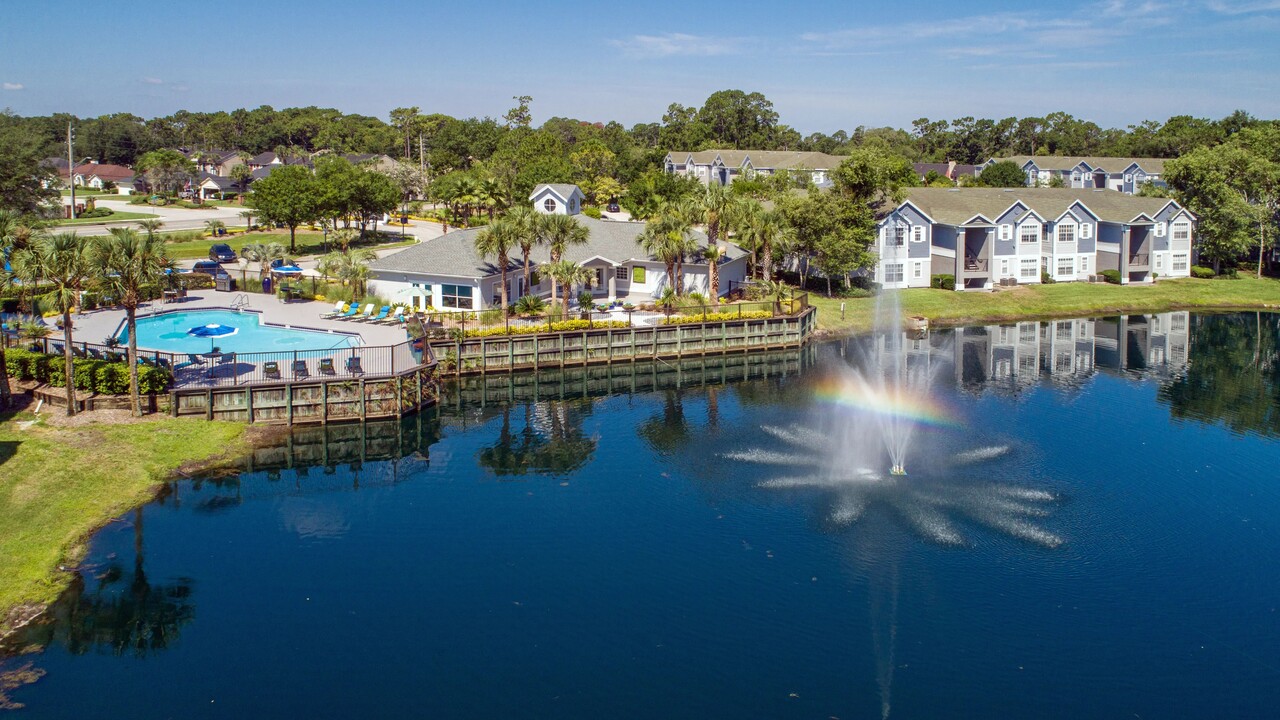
(45, 585)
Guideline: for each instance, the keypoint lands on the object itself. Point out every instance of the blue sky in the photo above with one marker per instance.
(826, 65)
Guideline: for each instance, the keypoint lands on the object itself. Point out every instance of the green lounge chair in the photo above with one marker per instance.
(271, 369)
(326, 367)
(300, 369)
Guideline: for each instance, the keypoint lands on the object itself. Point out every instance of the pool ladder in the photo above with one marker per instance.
(240, 302)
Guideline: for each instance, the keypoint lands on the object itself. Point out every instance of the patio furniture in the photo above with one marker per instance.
(338, 308)
(326, 367)
(96, 354)
(396, 317)
(382, 315)
(271, 370)
(368, 312)
(350, 313)
(353, 365)
(300, 369)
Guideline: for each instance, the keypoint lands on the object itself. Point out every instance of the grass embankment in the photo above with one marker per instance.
(116, 216)
(945, 307)
(308, 243)
(59, 483)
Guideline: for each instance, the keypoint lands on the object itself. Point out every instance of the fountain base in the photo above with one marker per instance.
(897, 470)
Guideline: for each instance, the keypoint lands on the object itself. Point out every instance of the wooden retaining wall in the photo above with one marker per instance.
(313, 401)
(610, 345)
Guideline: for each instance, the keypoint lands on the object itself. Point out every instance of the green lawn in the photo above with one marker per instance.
(116, 216)
(308, 243)
(947, 307)
(58, 484)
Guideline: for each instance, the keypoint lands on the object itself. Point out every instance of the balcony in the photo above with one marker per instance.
(975, 265)
(1140, 261)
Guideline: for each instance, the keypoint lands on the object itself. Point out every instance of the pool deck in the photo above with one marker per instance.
(96, 325)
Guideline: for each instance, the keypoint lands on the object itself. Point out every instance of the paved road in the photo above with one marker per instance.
(174, 218)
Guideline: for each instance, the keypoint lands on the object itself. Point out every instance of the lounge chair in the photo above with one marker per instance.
(165, 365)
(350, 313)
(353, 365)
(382, 315)
(79, 352)
(271, 370)
(300, 369)
(96, 354)
(113, 356)
(326, 367)
(368, 313)
(338, 308)
(58, 349)
(193, 359)
(396, 317)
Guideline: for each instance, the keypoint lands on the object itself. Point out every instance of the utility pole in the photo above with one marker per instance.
(71, 167)
(422, 158)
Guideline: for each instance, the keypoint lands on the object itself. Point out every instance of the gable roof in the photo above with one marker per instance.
(105, 171)
(562, 190)
(454, 254)
(265, 158)
(1066, 163)
(763, 159)
(957, 206)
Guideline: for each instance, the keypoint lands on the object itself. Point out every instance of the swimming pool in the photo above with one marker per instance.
(168, 332)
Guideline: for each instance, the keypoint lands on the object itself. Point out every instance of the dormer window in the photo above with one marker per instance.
(549, 204)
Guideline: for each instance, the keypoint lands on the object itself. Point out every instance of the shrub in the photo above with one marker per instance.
(1204, 273)
(1111, 276)
(1229, 274)
(943, 282)
(716, 317)
(530, 305)
(96, 213)
(100, 376)
(1046, 278)
(591, 211)
(558, 326)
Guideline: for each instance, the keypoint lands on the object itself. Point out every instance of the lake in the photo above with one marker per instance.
(587, 544)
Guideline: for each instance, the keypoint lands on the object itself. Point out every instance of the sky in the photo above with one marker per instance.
(826, 65)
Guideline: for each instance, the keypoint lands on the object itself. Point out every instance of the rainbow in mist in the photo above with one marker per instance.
(897, 403)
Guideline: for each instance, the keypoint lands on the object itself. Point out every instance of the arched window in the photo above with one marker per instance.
(550, 205)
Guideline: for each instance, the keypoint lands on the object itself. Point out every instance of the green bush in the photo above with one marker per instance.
(1046, 278)
(717, 317)
(1111, 276)
(943, 282)
(96, 213)
(1201, 272)
(558, 326)
(1229, 274)
(591, 211)
(100, 376)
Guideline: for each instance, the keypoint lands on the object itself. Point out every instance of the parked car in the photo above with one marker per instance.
(221, 252)
(208, 267)
(613, 205)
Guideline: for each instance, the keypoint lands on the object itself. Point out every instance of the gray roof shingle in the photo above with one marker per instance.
(956, 206)
(454, 253)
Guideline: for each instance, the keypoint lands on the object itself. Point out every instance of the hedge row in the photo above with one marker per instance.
(1201, 272)
(717, 317)
(945, 282)
(560, 326)
(100, 376)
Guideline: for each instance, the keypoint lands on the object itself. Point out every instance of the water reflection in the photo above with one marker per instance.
(550, 441)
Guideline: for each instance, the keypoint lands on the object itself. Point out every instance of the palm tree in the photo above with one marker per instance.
(767, 233)
(560, 232)
(497, 241)
(61, 263)
(214, 226)
(528, 235)
(677, 243)
(242, 176)
(248, 217)
(567, 273)
(151, 225)
(351, 267)
(712, 209)
(489, 195)
(776, 291)
(713, 255)
(344, 237)
(127, 263)
(264, 254)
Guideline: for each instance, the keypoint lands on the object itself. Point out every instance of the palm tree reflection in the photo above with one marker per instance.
(550, 441)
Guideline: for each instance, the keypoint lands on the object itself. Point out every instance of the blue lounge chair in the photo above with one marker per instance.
(326, 367)
(300, 369)
(382, 315)
(353, 365)
(350, 313)
(338, 308)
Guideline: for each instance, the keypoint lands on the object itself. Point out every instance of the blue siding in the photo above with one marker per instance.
(944, 236)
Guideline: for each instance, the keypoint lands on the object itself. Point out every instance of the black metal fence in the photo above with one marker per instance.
(231, 369)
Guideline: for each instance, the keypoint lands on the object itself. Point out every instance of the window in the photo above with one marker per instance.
(893, 273)
(598, 280)
(1066, 266)
(637, 274)
(917, 271)
(621, 273)
(1128, 178)
(1084, 264)
(1160, 229)
(917, 233)
(1159, 262)
(1181, 232)
(1179, 263)
(1029, 234)
(898, 237)
(573, 205)
(1027, 332)
(1004, 268)
(1006, 232)
(1075, 176)
(1086, 231)
(1066, 232)
(1028, 268)
(534, 280)
(455, 296)
(549, 204)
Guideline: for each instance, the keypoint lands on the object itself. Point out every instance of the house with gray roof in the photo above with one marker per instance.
(725, 166)
(1123, 174)
(446, 273)
(990, 236)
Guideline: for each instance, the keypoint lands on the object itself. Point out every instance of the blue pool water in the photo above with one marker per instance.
(582, 547)
(168, 332)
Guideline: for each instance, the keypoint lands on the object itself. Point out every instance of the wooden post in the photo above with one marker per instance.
(362, 413)
(208, 404)
(248, 401)
(324, 403)
(288, 399)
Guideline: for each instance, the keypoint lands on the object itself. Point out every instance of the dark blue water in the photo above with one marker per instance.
(591, 553)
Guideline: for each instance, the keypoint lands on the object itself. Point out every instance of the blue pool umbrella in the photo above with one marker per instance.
(287, 270)
(212, 331)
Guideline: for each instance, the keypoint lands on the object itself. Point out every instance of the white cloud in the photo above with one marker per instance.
(152, 81)
(1242, 8)
(678, 45)
(14, 86)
